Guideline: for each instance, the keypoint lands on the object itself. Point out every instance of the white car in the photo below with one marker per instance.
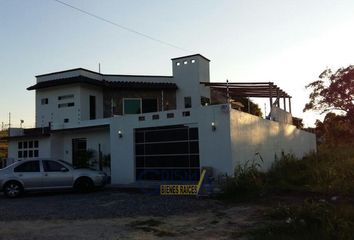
(46, 174)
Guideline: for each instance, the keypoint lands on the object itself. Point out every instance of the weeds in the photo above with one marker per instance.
(310, 220)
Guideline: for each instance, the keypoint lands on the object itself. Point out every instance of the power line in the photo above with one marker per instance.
(120, 26)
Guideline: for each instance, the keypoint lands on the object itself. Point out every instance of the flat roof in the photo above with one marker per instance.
(193, 55)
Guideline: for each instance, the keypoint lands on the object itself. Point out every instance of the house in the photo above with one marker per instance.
(156, 127)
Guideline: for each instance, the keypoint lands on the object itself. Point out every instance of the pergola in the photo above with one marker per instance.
(252, 89)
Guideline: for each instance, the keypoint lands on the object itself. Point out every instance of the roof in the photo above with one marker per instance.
(194, 55)
(103, 83)
(249, 89)
(90, 71)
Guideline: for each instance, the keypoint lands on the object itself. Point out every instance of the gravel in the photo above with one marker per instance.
(102, 204)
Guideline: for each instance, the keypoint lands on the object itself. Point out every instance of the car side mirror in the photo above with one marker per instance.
(63, 169)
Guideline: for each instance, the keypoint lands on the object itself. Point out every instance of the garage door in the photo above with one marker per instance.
(167, 153)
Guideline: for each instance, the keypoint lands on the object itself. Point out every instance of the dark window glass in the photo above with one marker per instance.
(149, 105)
(193, 133)
(19, 145)
(92, 107)
(30, 144)
(66, 120)
(30, 153)
(194, 147)
(132, 106)
(19, 154)
(29, 166)
(35, 144)
(139, 137)
(66, 97)
(186, 114)
(155, 117)
(25, 154)
(139, 149)
(166, 148)
(187, 102)
(24, 144)
(52, 166)
(139, 162)
(35, 153)
(170, 115)
(44, 101)
(166, 135)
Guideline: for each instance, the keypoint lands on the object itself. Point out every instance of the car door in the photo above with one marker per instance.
(56, 175)
(29, 173)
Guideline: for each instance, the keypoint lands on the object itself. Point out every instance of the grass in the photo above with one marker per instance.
(329, 173)
(309, 220)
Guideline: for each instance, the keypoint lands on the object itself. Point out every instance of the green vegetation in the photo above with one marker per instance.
(328, 176)
(309, 220)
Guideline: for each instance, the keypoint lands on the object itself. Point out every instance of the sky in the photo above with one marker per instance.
(288, 42)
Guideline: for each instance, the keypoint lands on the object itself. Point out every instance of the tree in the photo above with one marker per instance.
(333, 91)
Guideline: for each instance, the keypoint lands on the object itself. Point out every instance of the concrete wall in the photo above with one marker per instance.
(214, 146)
(43, 143)
(251, 135)
(50, 112)
(63, 142)
(188, 72)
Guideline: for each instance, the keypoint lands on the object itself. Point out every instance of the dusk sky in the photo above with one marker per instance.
(287, 42)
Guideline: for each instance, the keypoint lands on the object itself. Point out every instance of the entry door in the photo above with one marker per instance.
(79, 146)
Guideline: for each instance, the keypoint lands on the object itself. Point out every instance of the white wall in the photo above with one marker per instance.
(85, 93)
(50, 112)
(214, 145)
(44, 147)
(94, 138)
(188, 77)
(251, 135)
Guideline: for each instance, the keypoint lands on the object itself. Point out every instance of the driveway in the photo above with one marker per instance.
(111, 214)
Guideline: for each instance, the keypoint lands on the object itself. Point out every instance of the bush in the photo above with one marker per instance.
(309, 220)
(247, 182)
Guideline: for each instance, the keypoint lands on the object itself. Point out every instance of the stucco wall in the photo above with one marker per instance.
(251, 135)
(214, 146)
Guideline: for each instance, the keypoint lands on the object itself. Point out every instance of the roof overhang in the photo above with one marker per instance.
(103, 83)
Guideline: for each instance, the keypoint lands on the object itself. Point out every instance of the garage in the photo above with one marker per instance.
(169, 153)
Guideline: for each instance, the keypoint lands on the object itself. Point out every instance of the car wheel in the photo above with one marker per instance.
(13, 189)
(83, 185)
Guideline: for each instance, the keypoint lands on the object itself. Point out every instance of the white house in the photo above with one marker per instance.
(156, 127)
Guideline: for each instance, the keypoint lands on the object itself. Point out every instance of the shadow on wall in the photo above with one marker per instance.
(252, 137)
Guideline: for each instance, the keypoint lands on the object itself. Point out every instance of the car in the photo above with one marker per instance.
(47, 174)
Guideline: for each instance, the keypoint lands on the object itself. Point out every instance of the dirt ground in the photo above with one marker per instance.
(221, 222)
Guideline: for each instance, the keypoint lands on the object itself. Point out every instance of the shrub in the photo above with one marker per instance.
(309, 220)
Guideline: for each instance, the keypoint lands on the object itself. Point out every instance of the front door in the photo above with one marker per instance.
(79, 146)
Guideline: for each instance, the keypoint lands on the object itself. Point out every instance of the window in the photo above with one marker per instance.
(149, 105)
(28, 149)
(187, 102)
(61, 105)
(92, 107)
(138, 105)
(132, 106)
(66, 120)
(52, 166)
(66, 97)
(30, 166)
(44, 101)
